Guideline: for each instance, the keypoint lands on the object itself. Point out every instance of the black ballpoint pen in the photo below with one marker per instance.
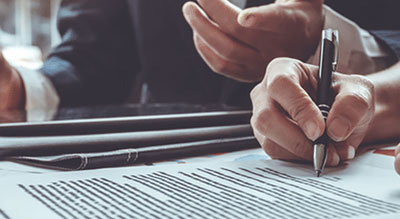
(327, 65)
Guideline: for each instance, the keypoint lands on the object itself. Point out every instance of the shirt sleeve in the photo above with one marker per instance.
(359, 51)
(42, 99)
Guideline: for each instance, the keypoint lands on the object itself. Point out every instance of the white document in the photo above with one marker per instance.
(254, 189)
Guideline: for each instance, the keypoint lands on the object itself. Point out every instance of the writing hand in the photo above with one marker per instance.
(240, 43)
(286, 120)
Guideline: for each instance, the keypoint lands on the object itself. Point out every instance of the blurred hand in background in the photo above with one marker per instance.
(240, 43)
(12, 92)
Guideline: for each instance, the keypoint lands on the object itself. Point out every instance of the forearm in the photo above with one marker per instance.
(97, 51)
(385, 124)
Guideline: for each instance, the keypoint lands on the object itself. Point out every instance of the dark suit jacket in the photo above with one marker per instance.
(111, 47)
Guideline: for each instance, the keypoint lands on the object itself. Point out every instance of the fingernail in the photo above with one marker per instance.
(245, 19)
(351, 153)
(339, 129)
(335, 159)
(312, 131)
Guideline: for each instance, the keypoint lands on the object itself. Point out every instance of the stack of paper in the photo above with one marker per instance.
(254, 189)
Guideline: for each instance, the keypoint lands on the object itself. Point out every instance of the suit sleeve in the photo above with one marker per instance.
(97, 59)
(390, 38)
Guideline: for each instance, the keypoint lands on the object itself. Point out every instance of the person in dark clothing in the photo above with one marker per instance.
(143, 51)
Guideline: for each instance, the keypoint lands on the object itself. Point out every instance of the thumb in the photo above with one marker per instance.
(273, 17)
(352, 109)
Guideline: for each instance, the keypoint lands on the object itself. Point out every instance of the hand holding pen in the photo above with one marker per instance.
(327, 66)
(286, 120)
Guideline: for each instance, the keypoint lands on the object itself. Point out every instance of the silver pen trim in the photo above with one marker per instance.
(320, 155)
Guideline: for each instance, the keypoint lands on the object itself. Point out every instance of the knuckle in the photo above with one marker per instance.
(362, 100)
(359, 100)
(253, 121)
(254, 92)
(199, 44)
(258, 94)
(300, 109)
(298, 148)
(267, 124)
(286, 17)
(278, 82)
(282, 13)
(220, 66)
(236, 29)
(363, 80)
(279, 61)
(270, 148)
(230, 50)
(365, 86)
(259, 119)
(197, 41)
(281, 64)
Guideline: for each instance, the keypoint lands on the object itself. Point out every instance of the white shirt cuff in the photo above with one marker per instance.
(42, 99)
(358, 49)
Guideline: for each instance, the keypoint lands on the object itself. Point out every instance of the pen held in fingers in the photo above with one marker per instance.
(327, 65)
(320, 156)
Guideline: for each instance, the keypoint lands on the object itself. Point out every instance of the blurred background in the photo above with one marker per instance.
(28, 30)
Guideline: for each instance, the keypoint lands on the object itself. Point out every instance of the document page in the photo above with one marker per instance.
(254, 189)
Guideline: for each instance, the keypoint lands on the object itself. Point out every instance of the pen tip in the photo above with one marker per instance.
(318, 173)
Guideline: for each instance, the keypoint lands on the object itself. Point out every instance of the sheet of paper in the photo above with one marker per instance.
(244, 155)
(254, 189)
(8, 168)
(378, 157)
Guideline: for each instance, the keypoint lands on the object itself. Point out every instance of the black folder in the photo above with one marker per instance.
(125, 124)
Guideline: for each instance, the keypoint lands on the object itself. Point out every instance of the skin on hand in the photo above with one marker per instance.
(286, 120)
(240, 43)
(12, 91)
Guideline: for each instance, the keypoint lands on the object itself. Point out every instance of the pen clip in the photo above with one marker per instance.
(335, 40)
(332, 36)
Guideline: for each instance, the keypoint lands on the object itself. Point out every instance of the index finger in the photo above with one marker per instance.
(223, 13)
(284, 80)
(277, 18)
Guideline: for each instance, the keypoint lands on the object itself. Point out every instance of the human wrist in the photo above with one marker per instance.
(387, 106)
(13, 93)
(387, 88)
